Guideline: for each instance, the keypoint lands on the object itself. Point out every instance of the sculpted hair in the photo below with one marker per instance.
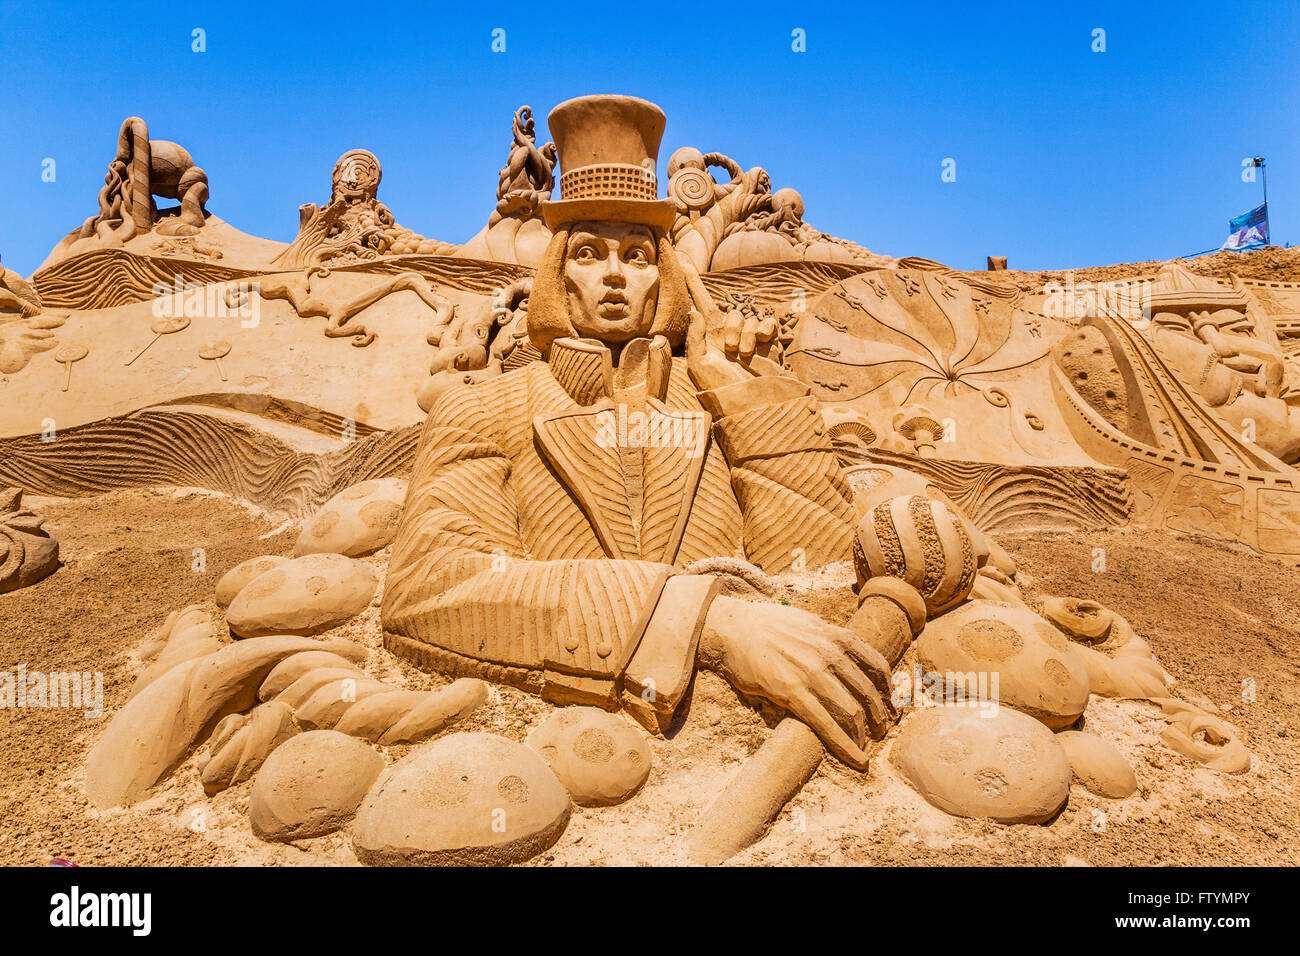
(548, 303)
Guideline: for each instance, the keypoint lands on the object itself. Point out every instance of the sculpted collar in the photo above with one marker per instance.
(585, 368)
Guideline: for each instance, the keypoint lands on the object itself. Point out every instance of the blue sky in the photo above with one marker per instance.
(1064, 157)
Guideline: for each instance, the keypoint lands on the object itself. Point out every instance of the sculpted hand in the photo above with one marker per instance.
(817, 672)
(723, 348)
(20, 339)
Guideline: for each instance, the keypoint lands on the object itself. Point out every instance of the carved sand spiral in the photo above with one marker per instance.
(68, 353)
(693, 188)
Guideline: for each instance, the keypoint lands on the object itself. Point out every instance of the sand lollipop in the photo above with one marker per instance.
(68, 353)
(213, 351)
(163, 327)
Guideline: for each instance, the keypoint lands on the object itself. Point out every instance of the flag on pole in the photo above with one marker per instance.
(1249, 231)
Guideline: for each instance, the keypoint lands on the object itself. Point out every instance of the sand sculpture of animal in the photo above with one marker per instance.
(745, 214)
(528, 176)
(142, 169)
(309, 299)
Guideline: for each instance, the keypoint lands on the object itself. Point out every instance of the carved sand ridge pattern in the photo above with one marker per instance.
(283, 410)
(108, 278)
(452, 272)
(996, 287)
(162, 447)
(780, 281)
(1001, 498)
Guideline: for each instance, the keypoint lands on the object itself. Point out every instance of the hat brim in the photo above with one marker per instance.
(1195, 301)
(657, 213)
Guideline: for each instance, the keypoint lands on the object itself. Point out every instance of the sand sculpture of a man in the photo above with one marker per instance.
(552, 509)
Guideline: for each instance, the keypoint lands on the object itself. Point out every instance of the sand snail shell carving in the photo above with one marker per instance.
(12, 553)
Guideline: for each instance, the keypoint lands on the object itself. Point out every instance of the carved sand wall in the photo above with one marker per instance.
(1231, 501)
(586, 435)
(948, 371)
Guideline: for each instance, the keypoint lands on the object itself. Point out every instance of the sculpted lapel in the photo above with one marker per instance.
(634, 465)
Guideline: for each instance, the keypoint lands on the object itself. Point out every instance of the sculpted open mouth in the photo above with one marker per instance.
(613, 304)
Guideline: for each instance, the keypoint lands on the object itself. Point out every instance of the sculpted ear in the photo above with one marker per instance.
(548, 303)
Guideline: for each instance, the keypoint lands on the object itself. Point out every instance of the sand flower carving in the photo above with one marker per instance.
(914, 332)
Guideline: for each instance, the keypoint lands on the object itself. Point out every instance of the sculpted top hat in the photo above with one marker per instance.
(608, 146)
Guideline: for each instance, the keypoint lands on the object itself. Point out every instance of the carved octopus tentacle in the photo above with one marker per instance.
(722, 161)
(133, 148)
(193, 191)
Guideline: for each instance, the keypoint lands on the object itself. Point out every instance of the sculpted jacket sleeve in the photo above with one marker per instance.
(791, 488)
(461, 579)
(794, 501)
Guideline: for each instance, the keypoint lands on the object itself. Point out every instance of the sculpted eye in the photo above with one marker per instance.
(637, 256)
(586, 254)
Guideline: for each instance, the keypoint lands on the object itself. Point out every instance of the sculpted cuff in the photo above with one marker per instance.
(755, 393)
(659, 672)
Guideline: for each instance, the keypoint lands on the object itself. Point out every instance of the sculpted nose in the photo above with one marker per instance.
(614, 271)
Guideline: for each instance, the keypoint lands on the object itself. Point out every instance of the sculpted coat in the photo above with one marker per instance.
(540, 551)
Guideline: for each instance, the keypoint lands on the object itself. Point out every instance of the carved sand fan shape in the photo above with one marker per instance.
(214, 352)
(911, 331)
(161, 327)
(68, 353)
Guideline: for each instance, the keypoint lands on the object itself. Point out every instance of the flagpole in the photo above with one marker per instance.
(1263, 170)
(1263, 173)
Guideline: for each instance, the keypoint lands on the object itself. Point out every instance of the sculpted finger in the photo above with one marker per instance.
(748, 342)
(878, 712)
(812, 713)
(695, 334)
(872, 663)
(767, 328)
(841, 705)
(732, 329)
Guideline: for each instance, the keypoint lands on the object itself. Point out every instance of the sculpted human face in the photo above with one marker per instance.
(611, 273)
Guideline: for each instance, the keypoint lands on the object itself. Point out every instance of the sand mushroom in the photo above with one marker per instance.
(68, 353)
(920, 427)
(161, 327)
(848, 427)
(213, 352)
